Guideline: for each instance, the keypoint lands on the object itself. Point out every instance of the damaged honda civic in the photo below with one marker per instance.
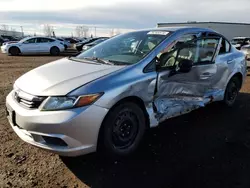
(105, 98)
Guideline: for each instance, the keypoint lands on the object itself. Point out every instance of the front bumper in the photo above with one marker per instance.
(77, 128)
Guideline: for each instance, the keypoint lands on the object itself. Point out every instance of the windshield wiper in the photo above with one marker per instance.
(82, 60)
(119, 62)
(99, 60)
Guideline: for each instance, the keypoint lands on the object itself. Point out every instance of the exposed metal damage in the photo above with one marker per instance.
(175, 95)
(173, 106)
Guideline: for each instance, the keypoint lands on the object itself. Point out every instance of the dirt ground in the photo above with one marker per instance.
(209, 147)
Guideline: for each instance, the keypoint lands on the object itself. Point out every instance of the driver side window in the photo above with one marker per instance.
(30, 41)
(199, 51)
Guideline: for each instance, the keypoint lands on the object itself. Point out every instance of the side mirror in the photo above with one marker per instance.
(185, 65)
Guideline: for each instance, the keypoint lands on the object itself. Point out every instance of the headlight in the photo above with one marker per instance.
(62, 103)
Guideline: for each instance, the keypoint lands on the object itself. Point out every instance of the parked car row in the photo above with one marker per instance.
(239, 42)
(90, 42)
(6, 38)
(66, 43)
(242, 44)
(10, 38)
(53, 46)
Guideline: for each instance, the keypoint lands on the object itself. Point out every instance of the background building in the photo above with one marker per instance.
(229, 30)
(11, 33)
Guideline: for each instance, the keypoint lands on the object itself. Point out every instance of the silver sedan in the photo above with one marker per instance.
(106, 97)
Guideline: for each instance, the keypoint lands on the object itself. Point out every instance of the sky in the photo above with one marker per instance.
(122, 15)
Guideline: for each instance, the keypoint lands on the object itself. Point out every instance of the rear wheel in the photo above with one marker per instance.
(14, 51)
(54, 50)
(232, 91)
(122, 130)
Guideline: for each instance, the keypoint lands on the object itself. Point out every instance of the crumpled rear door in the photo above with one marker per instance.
(180, 93)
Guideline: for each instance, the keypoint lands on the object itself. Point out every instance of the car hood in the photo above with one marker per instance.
(9, 43)
(62, 76)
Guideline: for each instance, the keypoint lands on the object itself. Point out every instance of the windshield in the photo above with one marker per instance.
(127, 48)
(24, 39)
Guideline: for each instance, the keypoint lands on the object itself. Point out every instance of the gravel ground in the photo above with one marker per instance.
(209, 147)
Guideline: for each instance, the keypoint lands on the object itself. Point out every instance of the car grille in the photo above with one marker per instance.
(27, 100)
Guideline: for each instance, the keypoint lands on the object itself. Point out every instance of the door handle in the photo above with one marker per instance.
(206, 74)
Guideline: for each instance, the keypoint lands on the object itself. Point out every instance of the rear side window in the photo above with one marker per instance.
(42, 40)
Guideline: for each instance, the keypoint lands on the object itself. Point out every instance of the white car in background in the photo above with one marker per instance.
(34, 45)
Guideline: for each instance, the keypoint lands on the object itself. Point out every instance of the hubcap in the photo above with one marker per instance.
(125, 129)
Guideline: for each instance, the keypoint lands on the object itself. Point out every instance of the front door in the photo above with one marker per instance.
(180, 92)
(30, 46)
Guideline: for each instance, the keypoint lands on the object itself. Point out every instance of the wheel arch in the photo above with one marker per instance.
(14, 47)
(54, 46)
(237, 75)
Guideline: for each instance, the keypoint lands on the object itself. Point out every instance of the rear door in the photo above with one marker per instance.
(178, 93)
(44, 45)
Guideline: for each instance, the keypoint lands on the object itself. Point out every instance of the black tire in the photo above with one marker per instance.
(54, 50)
(232, 91)
(14, 51)
(122, 130)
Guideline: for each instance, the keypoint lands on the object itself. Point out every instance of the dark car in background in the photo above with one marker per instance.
(72, 40)
(79, 45)
(90, 45)
(239, 42)
(9, 38)
(1, 41)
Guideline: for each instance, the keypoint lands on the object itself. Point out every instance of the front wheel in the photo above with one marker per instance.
(14, 51)
(123, 130)
(232, 91)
